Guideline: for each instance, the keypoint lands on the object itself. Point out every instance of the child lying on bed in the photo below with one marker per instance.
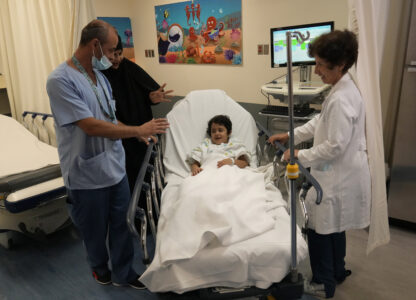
(221, 206)
(219, 142)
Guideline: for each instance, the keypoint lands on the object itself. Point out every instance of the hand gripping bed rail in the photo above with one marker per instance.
(310, 179)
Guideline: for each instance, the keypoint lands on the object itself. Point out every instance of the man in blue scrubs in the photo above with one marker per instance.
(91, 154)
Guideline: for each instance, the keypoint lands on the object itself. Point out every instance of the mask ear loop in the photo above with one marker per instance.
(102, 53)
(101, 49)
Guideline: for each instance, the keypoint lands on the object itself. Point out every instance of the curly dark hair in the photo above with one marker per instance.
(337, 48)
(221, 120)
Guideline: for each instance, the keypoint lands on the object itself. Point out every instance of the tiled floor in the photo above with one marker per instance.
(388, 273)
(56, 269)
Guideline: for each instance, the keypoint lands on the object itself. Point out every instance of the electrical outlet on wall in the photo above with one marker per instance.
(149, 53)
(266, 49)
(259, 49)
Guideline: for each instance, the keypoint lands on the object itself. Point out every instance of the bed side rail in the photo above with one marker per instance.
(36, 129)
(311, 181)
(150, 181)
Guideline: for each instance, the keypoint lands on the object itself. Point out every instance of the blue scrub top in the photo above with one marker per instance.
(87, 162)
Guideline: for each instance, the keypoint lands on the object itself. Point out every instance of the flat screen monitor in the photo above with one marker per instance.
(299, 50)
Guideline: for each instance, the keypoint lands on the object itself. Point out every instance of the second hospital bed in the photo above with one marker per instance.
(259, 260)
(32, 192)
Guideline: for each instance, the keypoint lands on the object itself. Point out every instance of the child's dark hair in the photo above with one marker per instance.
(221, 120)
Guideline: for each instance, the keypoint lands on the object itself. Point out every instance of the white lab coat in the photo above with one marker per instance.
(338, 161)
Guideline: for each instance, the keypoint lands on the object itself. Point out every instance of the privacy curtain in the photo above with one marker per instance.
(367, 18)
(35, 37)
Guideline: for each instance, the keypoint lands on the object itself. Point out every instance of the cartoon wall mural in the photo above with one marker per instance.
(123, 26)
(200, 32)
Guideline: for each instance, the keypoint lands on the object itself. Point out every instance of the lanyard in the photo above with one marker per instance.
(109, 115)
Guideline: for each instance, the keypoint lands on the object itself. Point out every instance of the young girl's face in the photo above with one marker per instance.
(219, 134)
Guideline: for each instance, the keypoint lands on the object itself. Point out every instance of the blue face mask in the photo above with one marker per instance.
(103, 64)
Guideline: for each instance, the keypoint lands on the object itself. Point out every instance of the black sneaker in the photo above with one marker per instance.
(346, 274)
(136, 284)
(102, 279)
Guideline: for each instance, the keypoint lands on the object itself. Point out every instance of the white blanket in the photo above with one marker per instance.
(256, 261)
(223, 205)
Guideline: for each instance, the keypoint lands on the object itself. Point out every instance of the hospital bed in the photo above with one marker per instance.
(32, 192)
(257, 266)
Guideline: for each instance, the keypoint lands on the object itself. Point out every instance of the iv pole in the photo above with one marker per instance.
(292, 168)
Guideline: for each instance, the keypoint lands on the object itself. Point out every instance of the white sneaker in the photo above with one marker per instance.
(314, 289)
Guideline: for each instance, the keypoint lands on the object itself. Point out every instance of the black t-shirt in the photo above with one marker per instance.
(131, 87)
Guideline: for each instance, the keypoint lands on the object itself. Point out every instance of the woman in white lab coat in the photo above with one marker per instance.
(338, 160)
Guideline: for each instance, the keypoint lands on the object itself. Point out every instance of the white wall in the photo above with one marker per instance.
(241, 82)
(258, 16)
(111, 8)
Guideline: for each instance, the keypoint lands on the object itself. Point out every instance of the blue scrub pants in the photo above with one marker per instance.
(327, 257)
(102, 213)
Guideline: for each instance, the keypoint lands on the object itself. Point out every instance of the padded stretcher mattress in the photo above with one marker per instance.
(258, 260)
(30, 172)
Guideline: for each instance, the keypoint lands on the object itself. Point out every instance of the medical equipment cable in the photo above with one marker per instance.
(277, 78)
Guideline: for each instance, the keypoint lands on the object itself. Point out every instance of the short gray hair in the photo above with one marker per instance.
(95, 29)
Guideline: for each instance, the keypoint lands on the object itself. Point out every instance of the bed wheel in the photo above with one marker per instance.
(10, 243)
(6, 240)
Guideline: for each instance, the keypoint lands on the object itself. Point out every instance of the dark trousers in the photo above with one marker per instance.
(327, 257)
(135, 152)
(100, 214)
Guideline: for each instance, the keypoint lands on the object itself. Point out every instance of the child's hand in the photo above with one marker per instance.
(195, 169)
(227, 161)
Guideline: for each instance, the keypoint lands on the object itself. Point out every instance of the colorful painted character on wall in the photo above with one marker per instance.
(192, 36)
(188, 14)
(165, 25)
(191, 51)
(175, 36)
(128, 33)
(211, 32)
(235, 34)
(162, 45)
(198, 13)
(208, 57)
(229, 54)
(193, 11)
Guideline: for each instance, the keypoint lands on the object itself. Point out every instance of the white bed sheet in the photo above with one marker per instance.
(259, 260)
(21, 151)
